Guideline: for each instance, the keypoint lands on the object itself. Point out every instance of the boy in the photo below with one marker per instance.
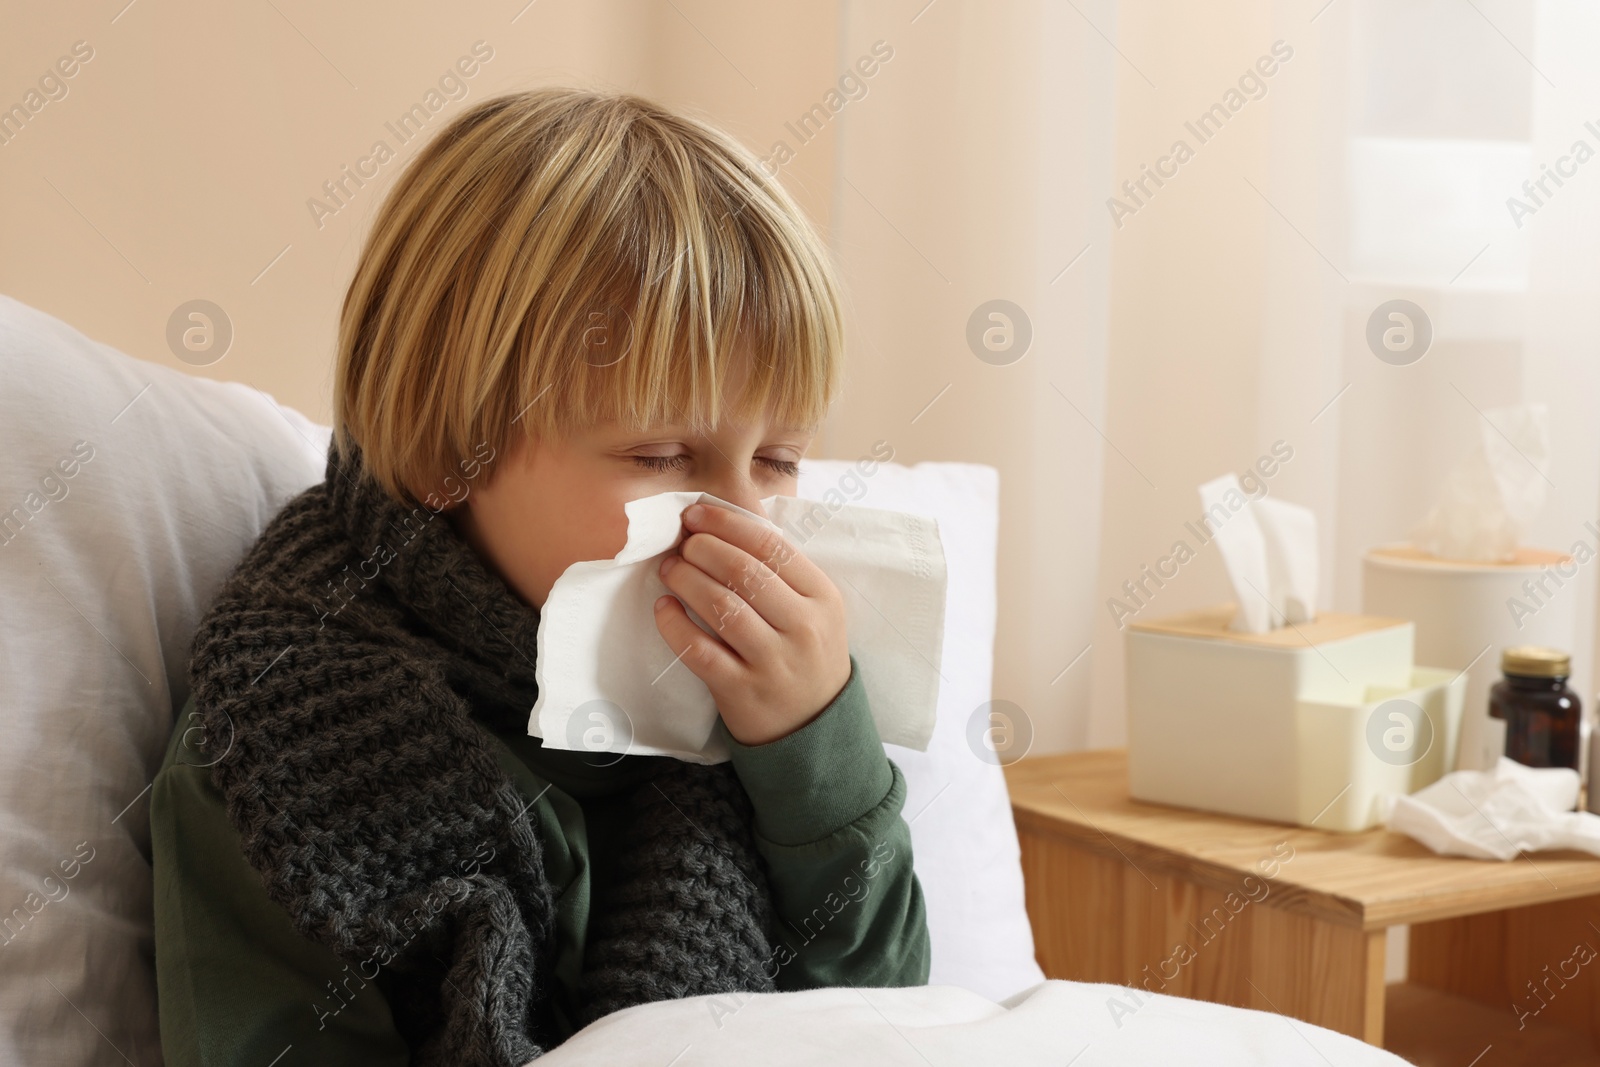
(569, 300)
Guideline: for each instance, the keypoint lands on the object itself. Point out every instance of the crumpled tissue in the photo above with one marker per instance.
(1269, 548)
(1499, 813)
(609, 683)
(1490, 499)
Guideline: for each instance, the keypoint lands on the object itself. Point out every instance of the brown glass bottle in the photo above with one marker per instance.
(1541, 713)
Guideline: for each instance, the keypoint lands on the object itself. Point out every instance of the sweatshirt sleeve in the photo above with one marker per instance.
(827, 802)
(236, 982)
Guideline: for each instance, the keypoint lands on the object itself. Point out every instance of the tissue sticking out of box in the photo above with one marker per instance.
(1269, 548)
(1491, 498)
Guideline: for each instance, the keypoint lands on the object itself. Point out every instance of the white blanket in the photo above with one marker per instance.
(1057, 1023)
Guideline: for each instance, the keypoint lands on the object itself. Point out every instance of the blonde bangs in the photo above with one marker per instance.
(559, 257)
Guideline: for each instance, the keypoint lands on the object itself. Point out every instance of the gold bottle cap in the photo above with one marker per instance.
(1532, 661)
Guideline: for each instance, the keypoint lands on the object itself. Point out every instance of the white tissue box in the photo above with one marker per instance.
(1285, 725)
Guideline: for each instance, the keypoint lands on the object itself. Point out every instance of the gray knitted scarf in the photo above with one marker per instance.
(338, 665)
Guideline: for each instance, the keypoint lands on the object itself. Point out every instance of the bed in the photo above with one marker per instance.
(128, 491)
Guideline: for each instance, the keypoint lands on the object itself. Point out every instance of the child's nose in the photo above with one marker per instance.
(736, 489)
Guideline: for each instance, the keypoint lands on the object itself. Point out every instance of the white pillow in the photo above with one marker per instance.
(963, 841)
(106, 570)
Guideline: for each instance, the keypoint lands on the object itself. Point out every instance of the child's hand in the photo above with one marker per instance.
(783, 654)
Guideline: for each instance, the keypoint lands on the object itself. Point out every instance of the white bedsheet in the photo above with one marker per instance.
(1057, 1023)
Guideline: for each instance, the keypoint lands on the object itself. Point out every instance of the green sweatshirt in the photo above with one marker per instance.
(238, 984)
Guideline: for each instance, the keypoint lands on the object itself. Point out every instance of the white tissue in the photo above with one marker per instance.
(608, 681)
(1269, 548)
(1290, 532)
(1491, 498)
(1496, 814)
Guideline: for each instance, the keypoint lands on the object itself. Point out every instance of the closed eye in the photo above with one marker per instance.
(786, 467)
(662, 463)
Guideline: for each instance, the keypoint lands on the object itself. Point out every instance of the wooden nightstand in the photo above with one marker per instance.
(1180, 902)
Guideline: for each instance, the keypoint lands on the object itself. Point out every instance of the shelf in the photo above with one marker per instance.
(1434, 1029)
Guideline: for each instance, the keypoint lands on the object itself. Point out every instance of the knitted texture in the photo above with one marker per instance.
(690, 914)
(337, 668)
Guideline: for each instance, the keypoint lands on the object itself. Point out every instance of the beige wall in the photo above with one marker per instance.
(181, 161)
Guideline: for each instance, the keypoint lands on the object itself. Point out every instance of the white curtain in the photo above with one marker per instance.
(1223, 319)
(1377, 164)
(976, 172)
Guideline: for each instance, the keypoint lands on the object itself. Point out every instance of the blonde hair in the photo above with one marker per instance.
(561, 256)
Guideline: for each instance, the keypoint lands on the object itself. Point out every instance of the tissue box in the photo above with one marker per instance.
(1289, 725)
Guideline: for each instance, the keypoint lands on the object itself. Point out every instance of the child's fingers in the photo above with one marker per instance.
(768, 546)
(728, 614)
(706, 657)
(774, 599)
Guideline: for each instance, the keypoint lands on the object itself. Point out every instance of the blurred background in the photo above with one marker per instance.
(1156, 315)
